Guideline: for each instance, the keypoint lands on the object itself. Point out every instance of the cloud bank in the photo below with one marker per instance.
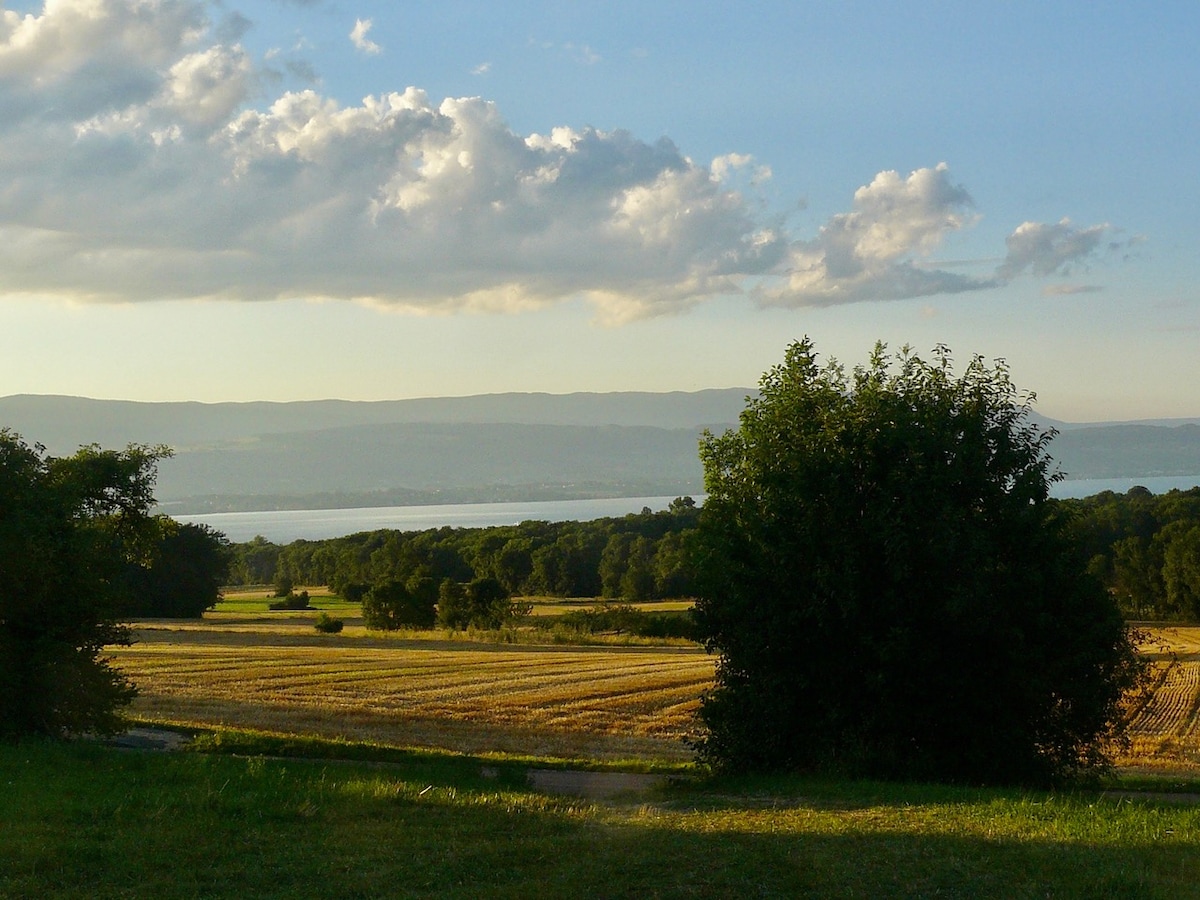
(134, 166)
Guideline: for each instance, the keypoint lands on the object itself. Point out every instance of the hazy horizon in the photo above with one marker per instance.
(554, 394)
(291, 200)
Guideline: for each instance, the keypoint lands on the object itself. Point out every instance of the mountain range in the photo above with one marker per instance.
(335, 453)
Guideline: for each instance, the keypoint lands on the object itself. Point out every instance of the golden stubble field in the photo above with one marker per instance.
(1165, 730)
(276, 673)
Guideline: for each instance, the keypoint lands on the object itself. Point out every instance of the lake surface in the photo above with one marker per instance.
(286, 525)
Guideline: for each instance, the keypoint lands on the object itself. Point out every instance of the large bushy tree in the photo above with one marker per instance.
(69, 527)
(394, 604)
(889, 588)
(184, 575)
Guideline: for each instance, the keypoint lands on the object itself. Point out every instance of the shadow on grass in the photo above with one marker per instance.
(80, 820)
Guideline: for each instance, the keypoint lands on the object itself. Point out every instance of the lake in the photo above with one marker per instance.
(286, 525)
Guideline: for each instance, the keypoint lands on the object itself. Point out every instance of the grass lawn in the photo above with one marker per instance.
(88, 820)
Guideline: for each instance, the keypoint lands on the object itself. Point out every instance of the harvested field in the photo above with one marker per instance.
(1165, 730)
(601, 702)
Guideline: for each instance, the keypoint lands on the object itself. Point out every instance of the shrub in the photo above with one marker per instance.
(326, 624)
(291, 601)
(621, 618)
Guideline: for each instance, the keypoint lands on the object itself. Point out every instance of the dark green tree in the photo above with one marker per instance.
(489, 602)
(184, 574)
(69, 528)
(453, 610)
(254, 562)
(890, 590)
(672, 565)
(637, 581)
(1181, 568)
(613, 563)
(391, 605)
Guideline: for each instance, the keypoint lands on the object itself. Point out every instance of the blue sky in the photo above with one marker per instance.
(298, 200)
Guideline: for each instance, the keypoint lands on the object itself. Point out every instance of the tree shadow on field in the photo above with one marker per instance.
(105, 824)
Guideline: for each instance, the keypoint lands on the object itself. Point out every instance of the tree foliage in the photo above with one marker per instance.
(69, 529)
(183, 577)
(1145, 548)
(889, 588)
(393, 604)
(647, 558)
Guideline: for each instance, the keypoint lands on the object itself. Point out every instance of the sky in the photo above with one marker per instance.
(305, 199)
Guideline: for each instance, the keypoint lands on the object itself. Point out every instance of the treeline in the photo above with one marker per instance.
(1145, 548)
(641, 556)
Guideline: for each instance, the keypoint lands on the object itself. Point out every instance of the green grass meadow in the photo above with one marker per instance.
(87, 820)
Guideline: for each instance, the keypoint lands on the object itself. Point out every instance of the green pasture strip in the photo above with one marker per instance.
(83, 819)
(259, 603)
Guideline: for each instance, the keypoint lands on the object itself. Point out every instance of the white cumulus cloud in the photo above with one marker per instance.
(1049, 249)
(880, 249)
(358, 37)
(872, 252)
(134, 166)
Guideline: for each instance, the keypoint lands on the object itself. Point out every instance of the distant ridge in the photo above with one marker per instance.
(481, 448)
(64, 423)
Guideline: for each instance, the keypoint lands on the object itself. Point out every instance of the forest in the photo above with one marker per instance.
(641, 556)
(1144, 548)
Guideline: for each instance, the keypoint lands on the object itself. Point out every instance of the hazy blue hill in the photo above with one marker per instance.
(62, 424)
(1128, 450)
(470, 449)
(442, 457)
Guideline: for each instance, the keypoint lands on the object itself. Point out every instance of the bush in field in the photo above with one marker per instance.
(613, 617)
(391, 605)
(625, 619)
(327, 624)
(680, 624)
(69, 529)
(890, 590)
(291, 601)
(284, 587)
